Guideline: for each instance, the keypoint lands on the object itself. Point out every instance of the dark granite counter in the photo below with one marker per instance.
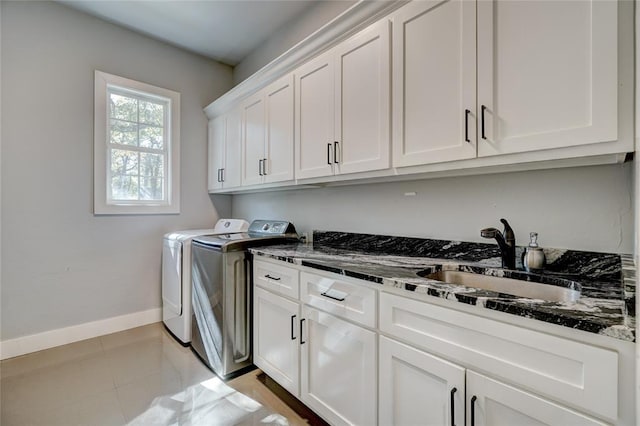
(607, 281)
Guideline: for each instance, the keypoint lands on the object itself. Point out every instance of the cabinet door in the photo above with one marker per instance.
(314, 118)
(216, 155)
(545, 86)
(253, 133)
(279, 131)
(498, 404)
(276, 338)
(338, 369)
(417, 388)
(233, 142)
(434, 68)
(362, 97)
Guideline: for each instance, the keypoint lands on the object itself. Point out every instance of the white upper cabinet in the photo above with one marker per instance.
(232, 171)
(547, 77)
(547, 74)
(253, 137)
(314, 118)
(342, 107)
(440, 86)
(278, 164)
(216, 152)
(267, 147)
(434, 81)
(224, 151)
(362, 120)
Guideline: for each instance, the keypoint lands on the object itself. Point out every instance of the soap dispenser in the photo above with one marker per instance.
(533, 258)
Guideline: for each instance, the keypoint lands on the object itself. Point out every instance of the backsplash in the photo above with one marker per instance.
(584, 263)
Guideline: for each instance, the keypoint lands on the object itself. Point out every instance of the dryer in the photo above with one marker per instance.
(176, 275)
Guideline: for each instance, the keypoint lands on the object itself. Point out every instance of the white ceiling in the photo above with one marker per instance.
(224, 30)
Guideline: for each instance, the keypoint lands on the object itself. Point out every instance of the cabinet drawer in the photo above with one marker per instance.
(339, 297)
(277, 278)
(578, 374)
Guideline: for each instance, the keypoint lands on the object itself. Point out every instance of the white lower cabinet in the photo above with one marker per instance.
(492, 403)
(417, 388)
(338, 369)
(275, 350)
(326, 362)
(356, 355)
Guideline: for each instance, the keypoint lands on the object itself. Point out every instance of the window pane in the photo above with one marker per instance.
(151, 188)
(151, 165)
(152, 113)
(124, 162)
(124, 187)
(123, 108)
(151, 137)
(123, 132)
(133, 144)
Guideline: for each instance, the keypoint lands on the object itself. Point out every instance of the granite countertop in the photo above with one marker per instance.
(607, 281)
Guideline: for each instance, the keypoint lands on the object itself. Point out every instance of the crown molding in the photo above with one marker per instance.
(354, 19)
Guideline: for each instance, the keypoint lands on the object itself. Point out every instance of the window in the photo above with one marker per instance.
(136, 147)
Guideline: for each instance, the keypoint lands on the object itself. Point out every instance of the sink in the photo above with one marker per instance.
(514, 287)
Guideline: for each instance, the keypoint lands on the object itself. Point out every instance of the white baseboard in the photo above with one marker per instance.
(62, 336)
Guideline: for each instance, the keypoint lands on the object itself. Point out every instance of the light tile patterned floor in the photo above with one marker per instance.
(110, 380)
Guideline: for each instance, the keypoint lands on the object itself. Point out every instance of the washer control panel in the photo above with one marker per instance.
(270, 227)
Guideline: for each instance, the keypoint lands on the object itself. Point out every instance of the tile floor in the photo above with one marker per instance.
(113, 380)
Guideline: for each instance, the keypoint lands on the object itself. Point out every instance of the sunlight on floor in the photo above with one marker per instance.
(210, 402)
(140, 376)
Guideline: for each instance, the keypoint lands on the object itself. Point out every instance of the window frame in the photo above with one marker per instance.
(102, 202)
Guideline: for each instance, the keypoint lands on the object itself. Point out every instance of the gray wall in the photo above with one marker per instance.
(61, 265)
(288, 36)
(586, 208)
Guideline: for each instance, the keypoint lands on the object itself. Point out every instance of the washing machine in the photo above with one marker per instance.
(176, 275)
(221, 294)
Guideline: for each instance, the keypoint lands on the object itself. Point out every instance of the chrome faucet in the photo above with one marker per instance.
(506, 241)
